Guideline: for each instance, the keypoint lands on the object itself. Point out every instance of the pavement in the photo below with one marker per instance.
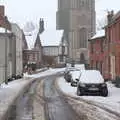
(9, 94)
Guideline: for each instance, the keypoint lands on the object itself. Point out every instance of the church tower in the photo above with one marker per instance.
(77, 19)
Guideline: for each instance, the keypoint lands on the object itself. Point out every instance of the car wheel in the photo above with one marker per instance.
(79, 92)
(71, 84)
(105, 92)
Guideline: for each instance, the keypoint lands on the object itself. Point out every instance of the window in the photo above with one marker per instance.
(63, 50)
(101, 66)
(101, 42)
(92, 65)
(91, 45)
(82, 58)
(83, 38)
(61, 58)
(97, 65)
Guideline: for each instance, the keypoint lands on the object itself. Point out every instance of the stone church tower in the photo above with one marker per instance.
(77, 19)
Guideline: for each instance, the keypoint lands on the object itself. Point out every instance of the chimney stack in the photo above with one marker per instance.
(2, 10)
(110, 16)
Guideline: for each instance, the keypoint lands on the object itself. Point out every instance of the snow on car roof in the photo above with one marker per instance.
(75, 74)
(91, 76)
(80, 66)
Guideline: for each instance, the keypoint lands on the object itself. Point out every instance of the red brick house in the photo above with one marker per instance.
(105, 49)
(97, 52)
(113, 43)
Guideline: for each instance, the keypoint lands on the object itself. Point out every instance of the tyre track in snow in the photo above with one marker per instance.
(98, 111)
(56, 107)
(99, 105)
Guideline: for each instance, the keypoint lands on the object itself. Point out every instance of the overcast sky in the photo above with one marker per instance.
(21, 11)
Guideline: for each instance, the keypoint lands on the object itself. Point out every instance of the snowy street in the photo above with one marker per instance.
(54, 99)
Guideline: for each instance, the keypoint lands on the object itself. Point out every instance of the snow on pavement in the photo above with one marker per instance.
(50, 71)
(111, 102)
(9, 92)
(16, 84)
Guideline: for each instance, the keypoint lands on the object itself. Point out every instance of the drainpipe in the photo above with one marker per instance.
(6, 79)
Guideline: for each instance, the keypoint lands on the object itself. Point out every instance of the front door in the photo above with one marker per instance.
(82, 58)
(113, 67)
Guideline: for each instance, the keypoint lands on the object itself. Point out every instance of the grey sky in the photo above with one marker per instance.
(21, 11)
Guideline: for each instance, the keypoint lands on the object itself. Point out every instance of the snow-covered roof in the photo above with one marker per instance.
(3, 30)
(75, 74)
(91, 76)
(51, 37)
(116, 15)
(47, 38)
(99, 34)
(30, 38)
(80, 66)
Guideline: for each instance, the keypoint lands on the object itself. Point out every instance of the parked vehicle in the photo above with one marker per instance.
(91, 81)
(9, 79)
(19, 76)
(67, 75)
(75, 77)
(14, 77)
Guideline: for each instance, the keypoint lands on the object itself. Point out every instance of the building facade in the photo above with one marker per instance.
(33, 55)
(105, 50)
(63, 51)
(16, 30)
(7, 48)
(50, 54)
(77, 19)
(98, 53)
(7, 56)
(113, 43)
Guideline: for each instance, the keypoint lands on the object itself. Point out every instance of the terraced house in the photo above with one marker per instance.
(105, 48)
(10, 48)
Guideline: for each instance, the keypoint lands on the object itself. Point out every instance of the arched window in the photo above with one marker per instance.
(83, 38)
(82, 58)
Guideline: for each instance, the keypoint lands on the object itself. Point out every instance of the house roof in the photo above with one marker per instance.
(100, 33)
(51, 37)
(37, 42)
(30, 38)
(47, 38)
(3, 30)
(116, 15)
(25, 45)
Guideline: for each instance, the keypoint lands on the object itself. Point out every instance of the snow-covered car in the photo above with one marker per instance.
(67, 75)
(91, 81)
(75, 77)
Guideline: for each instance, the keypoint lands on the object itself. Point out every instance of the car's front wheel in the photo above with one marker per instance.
(79, 91)
(71, 84)
(105, 92)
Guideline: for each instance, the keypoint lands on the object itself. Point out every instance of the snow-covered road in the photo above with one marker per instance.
(112, 102)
